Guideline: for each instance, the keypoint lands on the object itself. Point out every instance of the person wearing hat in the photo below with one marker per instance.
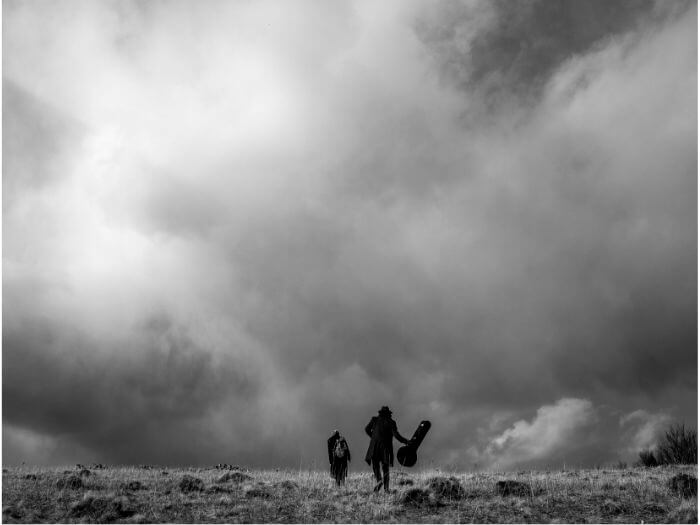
(380, 454)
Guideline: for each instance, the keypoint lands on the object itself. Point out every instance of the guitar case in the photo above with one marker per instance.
(407, 455)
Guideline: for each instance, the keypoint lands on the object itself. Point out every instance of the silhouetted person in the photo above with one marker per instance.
(338, 457)
(380, 454)
(331, 447)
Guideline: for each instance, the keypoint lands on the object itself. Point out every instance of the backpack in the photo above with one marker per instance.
(339, 451)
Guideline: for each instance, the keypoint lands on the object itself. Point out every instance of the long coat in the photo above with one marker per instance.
(331, 445)
(381, 429)
(339, 465)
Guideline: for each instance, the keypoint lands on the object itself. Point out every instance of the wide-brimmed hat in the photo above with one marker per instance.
(385, 410)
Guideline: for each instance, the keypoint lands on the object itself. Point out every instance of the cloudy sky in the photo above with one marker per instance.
(231, 227)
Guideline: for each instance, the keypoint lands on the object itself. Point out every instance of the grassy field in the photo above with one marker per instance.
(205, 495)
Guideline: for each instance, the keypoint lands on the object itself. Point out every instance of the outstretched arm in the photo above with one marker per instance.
(398, 436)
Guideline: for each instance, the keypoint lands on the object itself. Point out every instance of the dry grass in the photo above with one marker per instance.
(137, 495)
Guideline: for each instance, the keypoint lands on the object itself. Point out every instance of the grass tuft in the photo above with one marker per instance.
(446, 488)
(191, 484)
(511, 487)
(234, 477)
(685, 485)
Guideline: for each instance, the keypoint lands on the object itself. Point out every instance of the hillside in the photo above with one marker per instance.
(210, 495)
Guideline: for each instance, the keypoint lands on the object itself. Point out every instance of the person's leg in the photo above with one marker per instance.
(343, 471)
(376, 466)
(335, 471)
(385, 471)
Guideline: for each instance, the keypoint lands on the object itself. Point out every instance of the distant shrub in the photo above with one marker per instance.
(647, 459)
(678, 446)
(226, 466)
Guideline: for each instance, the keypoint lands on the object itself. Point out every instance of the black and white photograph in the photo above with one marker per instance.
(349, 261)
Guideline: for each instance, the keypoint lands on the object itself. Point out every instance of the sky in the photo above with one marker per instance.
(230, 228)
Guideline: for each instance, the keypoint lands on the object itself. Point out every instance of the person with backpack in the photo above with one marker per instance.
(382, 429)
(338, 457)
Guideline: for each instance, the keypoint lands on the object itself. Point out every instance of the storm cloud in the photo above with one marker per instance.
(229, 228)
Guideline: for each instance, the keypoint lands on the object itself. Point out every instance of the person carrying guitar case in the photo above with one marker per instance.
(382, 429)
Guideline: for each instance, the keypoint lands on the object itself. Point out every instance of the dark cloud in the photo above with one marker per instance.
(262, 236)
(516, 51)
(120, 401)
